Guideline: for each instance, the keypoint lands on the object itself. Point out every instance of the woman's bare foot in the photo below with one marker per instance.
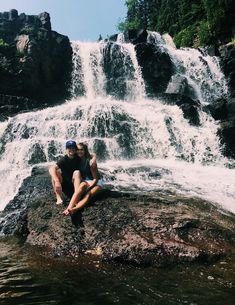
(73, 210)
(66, 212)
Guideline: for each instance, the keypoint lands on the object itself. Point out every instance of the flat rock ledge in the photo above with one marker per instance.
(156, 229)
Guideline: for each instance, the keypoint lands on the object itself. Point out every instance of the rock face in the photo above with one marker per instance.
(35, 62)
(228, 122)
(227, 54)
(153, 229)
(157, 67)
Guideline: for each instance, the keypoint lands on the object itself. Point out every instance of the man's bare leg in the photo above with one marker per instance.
(57, 187)
(84, 200)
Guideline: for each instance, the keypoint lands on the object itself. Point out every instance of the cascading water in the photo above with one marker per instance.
(202, 73)
(142, 144)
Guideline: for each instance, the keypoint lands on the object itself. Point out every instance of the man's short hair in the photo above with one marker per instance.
(71, 144)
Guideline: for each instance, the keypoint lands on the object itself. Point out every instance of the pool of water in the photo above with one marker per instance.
(27, 276)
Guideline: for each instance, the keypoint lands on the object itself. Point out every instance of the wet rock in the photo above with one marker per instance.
(154, 229)
(12, 104)
(179, 85)
(218, 109)
(136, 36)
(189, 107)
(227, 132)
(156, 65)
(227, 54)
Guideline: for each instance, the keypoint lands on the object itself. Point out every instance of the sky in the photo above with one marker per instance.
(78, 19)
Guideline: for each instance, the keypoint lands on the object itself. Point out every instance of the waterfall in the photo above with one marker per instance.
(202, 73)
(142, 144)
(89, 79)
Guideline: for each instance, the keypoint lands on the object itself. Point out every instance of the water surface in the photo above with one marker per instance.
(28, 277)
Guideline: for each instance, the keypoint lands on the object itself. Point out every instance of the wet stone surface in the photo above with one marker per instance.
(149, 230)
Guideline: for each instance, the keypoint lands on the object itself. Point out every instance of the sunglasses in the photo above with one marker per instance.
(81, 149)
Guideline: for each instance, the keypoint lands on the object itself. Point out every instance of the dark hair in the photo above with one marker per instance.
(85, 147)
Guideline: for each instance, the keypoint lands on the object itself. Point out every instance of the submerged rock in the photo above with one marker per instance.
(155, 229)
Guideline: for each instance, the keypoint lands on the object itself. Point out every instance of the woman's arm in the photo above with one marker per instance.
(95, 175)
(93, 160)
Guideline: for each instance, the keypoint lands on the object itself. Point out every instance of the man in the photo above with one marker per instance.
(65, 173)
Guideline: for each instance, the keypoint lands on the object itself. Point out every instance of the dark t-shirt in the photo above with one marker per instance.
(85, 170)
(68, 166)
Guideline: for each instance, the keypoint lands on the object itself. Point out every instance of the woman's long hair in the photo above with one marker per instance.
(85, 147)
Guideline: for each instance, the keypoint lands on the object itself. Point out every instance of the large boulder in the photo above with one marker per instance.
(153, 229)
(189, 106)
(227, 54)
(227, 131)
(156, 65)
(35, 62)
(10, 105)
(115, 72)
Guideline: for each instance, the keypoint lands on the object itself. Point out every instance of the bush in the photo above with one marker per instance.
(185, 37)
(3, 43)
(204, 33)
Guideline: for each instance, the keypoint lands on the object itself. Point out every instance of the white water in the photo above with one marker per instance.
(143, 144)
(202, 72)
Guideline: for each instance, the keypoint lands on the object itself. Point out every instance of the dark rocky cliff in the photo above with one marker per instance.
(227, 54)
(35, 62)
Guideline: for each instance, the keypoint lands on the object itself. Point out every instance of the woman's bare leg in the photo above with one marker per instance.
(79, 189)
(84, 200)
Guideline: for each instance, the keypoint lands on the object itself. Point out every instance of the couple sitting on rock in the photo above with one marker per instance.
(76, 174)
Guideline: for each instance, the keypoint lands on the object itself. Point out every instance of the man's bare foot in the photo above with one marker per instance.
(59, 201)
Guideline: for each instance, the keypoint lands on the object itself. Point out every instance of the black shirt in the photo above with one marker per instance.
(68, 166)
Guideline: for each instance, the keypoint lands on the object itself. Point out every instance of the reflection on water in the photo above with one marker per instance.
(26, 277)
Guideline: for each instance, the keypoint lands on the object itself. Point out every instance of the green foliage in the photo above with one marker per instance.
(27, 30)
(232, 42)
(40, 35)
(185, 37)
(191, 22)
(204, 34)
(3, 43)
(220, 17)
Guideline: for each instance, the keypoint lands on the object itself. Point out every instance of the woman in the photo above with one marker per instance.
(90, 183)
